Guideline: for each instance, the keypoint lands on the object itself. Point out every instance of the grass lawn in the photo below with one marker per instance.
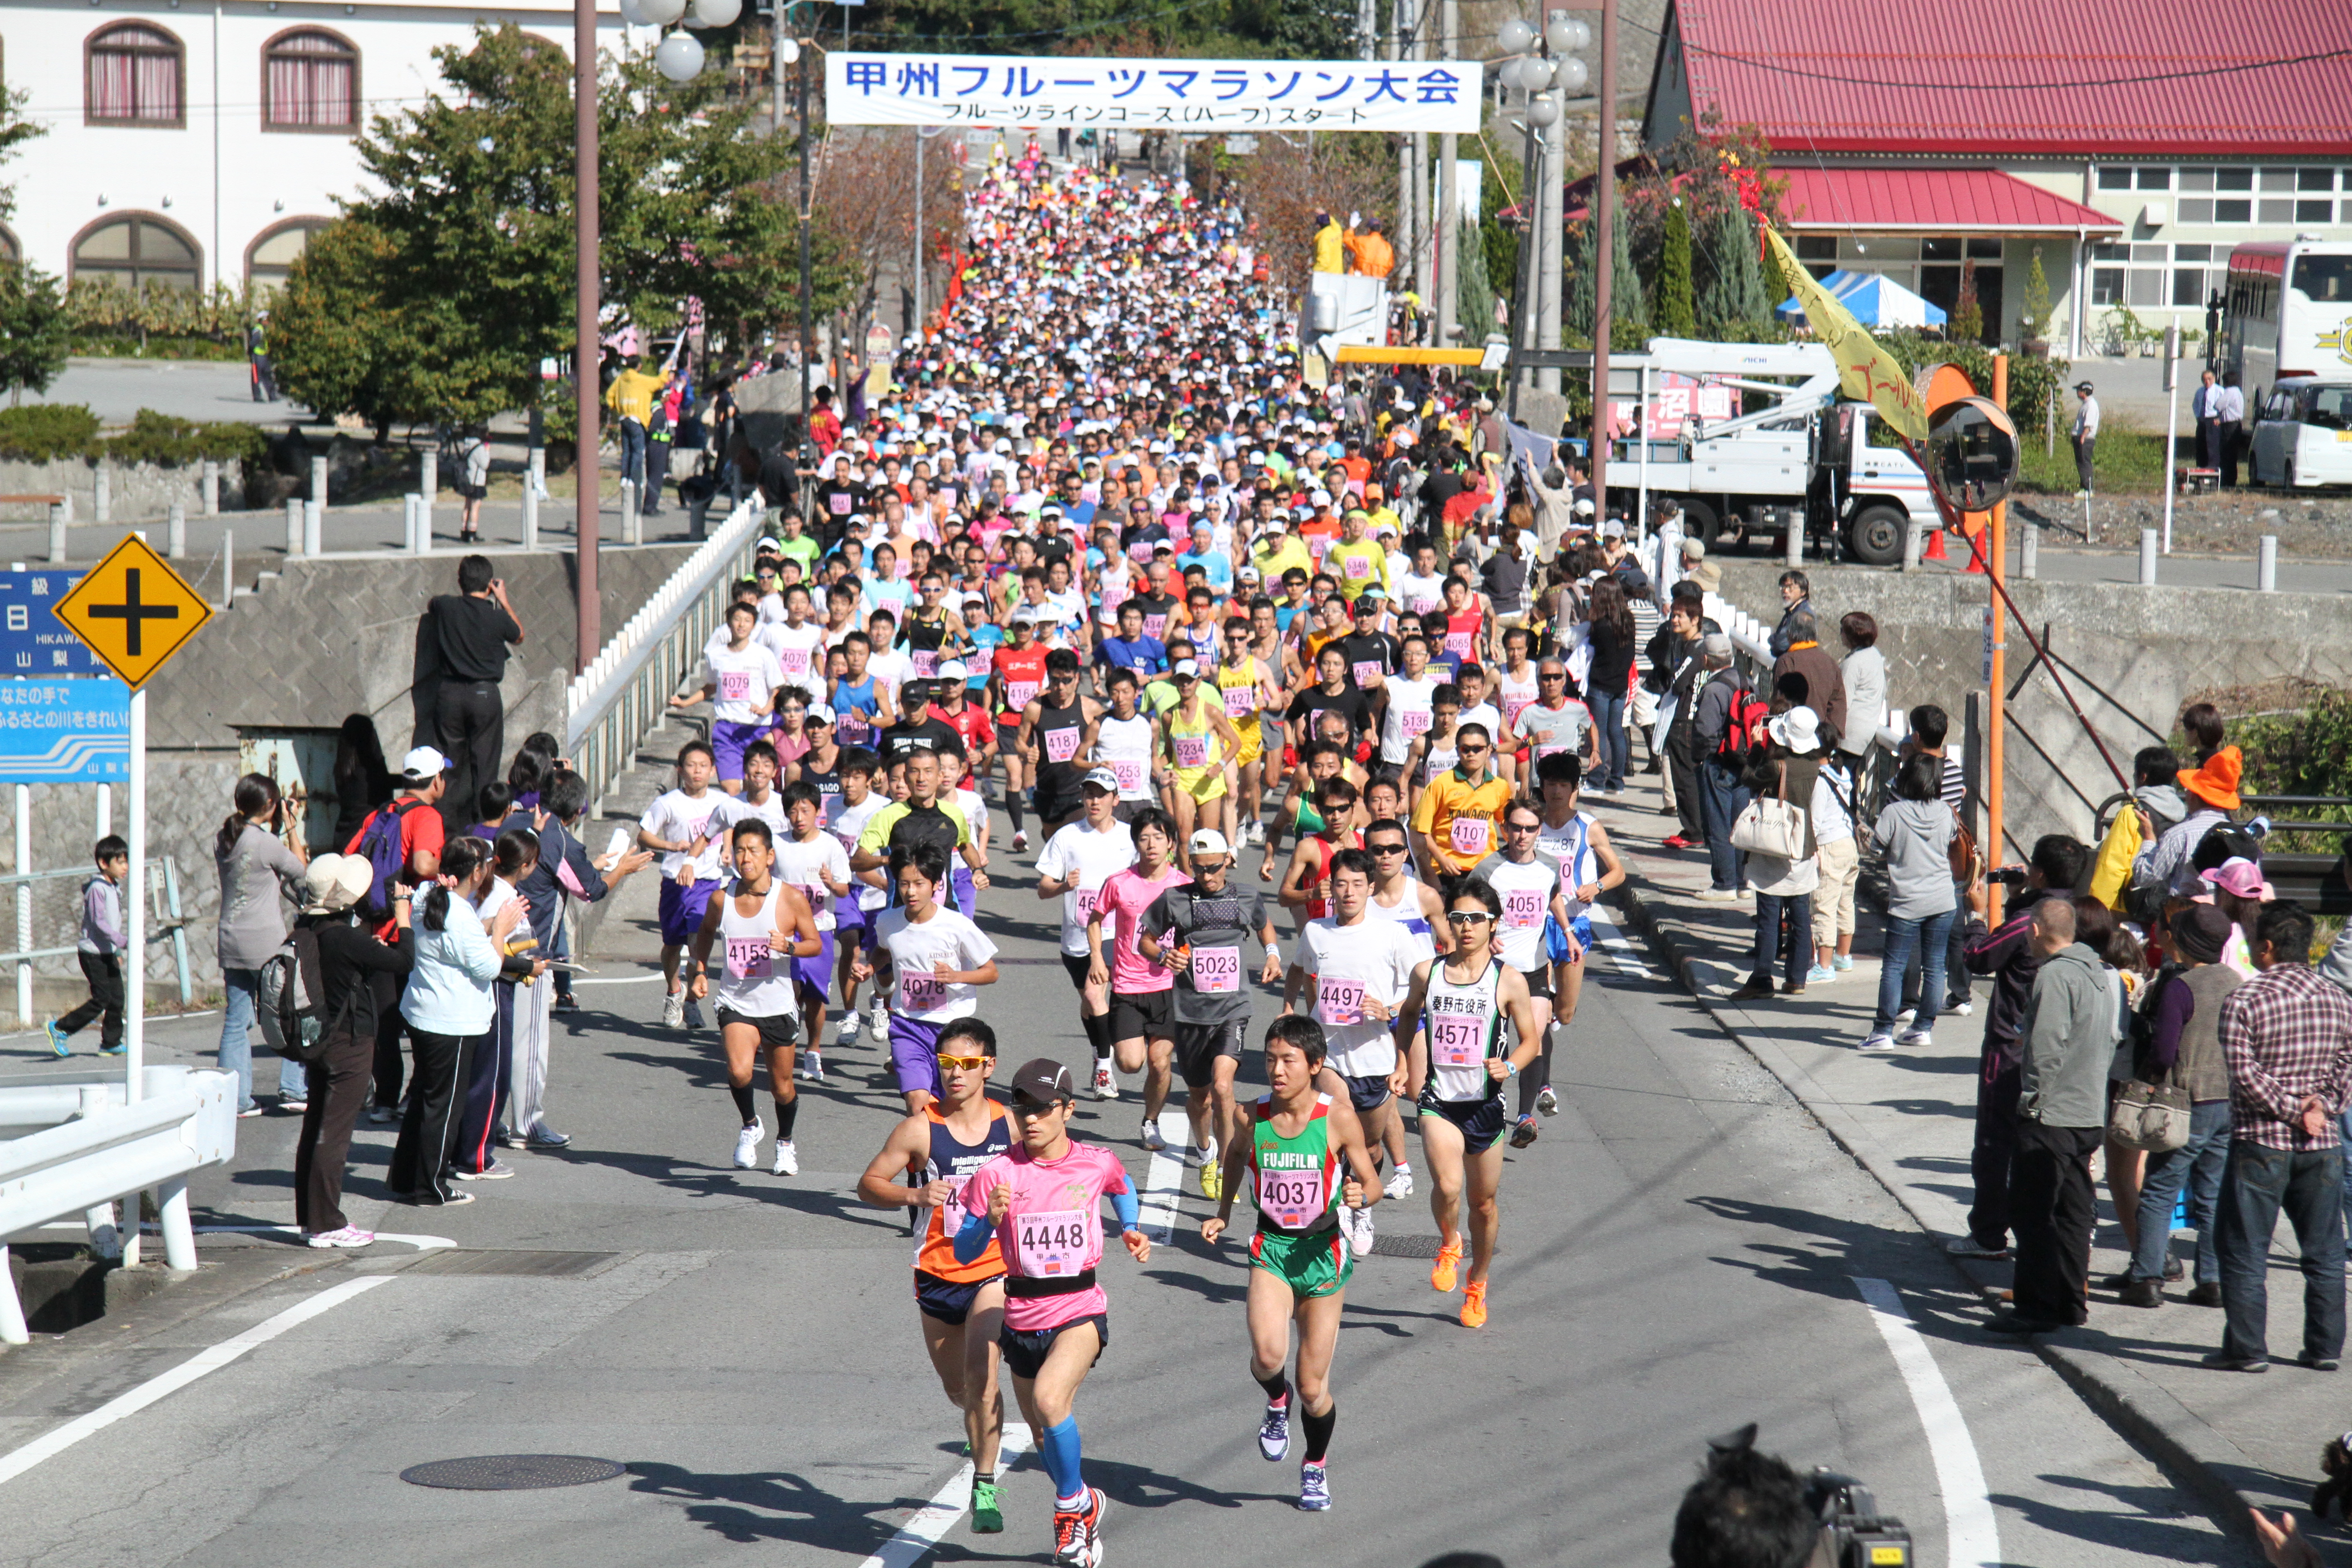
(2128, 459)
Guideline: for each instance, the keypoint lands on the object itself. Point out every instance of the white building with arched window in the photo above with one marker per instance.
(190, 144)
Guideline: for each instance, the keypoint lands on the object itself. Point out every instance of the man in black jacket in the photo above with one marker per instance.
(1672, 654)
(2007, 953)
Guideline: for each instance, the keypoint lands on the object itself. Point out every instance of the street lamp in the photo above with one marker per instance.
(1544, 68)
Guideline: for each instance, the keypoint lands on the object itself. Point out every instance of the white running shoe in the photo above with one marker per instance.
(1153, 1139)
(1879, 1041)
(1021, 840)
(1314, 1488)
(1399, 1184)
(1915, 1037)
(1206, 1155)
(747, 1144)
(788, 1159)
(1961, 1009)
(1274, 1432)
(674, 1010)
(1360, 1240)
(1106, 1085)
(812, 1067)
(851, 1026)
(1546, 1102)
(878, 1020)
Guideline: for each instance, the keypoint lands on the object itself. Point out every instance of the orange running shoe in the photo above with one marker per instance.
(1474, 1304)
(1440, 1273)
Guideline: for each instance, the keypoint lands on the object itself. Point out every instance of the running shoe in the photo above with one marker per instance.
(1473, 1305)
(812, 1068)
(1274, 1432)
(1841, 963)
(878, 1020)
(1153, 1139)
(1200, 1156)
(747, 1144)
(1314, 1488)
(694, 1016)
(565, 1002)
(1524, 1133)
(245, 1112)
(1915, 1037)
(1961, 1009)
(1820, 974)
(1077, 1537)
(293, 1105)
(1106, 1085)
(788, 1159)
(1360, 1244)
(1021, 840)
(1906, 1016)
(1546, 1102)
(987, 1518)
(496, 1170)
(379, 1115)
(348, 1235)
(545, 1137)
(1399, 1184)
(1212, 1181)
(1878, 1042)
(114, 1051)
(851, 1026)
(1442, 1273)
(57, 1038)
(674, 1010)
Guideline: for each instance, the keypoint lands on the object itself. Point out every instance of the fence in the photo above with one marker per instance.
(41, 918)
(624, 691)
(1751, 656)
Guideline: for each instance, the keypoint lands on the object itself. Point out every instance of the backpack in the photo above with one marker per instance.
(1743, 722)
(292, 995)
(380, 846)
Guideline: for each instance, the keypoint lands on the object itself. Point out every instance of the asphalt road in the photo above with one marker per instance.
(1680, 1254)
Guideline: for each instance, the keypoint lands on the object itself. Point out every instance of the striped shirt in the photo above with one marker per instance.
(2286, 1033)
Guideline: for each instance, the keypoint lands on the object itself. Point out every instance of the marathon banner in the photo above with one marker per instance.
(1145, 94)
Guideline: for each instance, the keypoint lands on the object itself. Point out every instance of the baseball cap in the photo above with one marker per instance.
(819, 713)
(1716, 645)
(953, 670)
(1186, 666)
(1209, 841)
(1276, 525)
(1369, 601)
(1614, 529)
(424, 763)
(1043, 1081)
(1025, 614)
(1102, 779)
(770, 544)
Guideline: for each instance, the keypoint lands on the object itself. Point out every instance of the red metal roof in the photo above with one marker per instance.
(2014, 78)
(1933, 201)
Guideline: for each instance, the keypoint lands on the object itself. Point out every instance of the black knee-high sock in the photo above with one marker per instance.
(742, 1093)
(1012, 805)
(1098, 1034)
(1318, 1434)
(1277, 1389)
(786, 1109)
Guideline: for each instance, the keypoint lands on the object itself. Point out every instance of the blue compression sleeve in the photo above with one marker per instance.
(1123, 1204)
(972, 1240)
(1058, 1447)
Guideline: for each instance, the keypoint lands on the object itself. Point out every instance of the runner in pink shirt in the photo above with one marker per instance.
(1043, 1198)
(1142, 995)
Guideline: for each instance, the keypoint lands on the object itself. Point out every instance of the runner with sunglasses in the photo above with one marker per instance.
(1401, 899)
(1044, 1196)
(1451, 1026)
(1526, 876)
(960, 1305)
(1291, 1144)
(1456, 820)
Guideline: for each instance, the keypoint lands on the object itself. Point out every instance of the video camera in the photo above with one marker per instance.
(1750, 1509)
(1854, 1534)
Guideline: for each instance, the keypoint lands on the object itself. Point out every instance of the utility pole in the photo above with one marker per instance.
(808, 328)
(1398, 13)
(1604, 220)
(1449, 213)
(1424, 229)
(1548, 218)
(587, 384)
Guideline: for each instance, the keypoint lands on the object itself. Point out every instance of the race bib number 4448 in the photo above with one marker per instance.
(1050, 1244)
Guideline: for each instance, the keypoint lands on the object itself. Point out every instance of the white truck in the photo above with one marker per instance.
(1799, 456)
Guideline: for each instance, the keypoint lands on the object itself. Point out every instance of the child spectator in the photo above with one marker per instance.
(101, 952)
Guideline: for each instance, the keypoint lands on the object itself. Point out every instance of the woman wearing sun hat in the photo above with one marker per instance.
(2211, 788)
(349, 957)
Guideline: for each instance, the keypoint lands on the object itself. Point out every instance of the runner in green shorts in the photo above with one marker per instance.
(1292, 1143)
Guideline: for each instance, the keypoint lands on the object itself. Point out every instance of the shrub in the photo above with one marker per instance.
(39, 432)
(161, 438)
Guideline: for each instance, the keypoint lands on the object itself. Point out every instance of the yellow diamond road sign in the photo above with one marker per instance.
(133, 610)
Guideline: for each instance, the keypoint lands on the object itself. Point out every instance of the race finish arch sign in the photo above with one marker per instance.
(1146, 94)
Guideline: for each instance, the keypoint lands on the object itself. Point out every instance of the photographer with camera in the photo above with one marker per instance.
(1749, 1509)
(2007, 953)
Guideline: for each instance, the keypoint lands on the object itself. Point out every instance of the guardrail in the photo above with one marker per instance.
(624, 691)
(95, 1148)
(27, 917)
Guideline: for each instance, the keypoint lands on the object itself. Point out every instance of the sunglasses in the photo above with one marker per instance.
(1521, 827)
(1471, 748)
(1468, 917)
(966, 1064)
(1384, 848)
(1553, 675)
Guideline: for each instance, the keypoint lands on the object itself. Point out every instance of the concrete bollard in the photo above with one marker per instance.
(2029, 554)
(629, 524)
(314, 529)
(293, 526)
(1792, 541)
(101, 501)
(2148, 552)
(428, 487)
(529, 514)
(2266, 565)
(176, 532)
(57, 532)
(408, 523)
(420, 526)
(1914, 541)
(212, 487)
(228, 567)
(319, 482)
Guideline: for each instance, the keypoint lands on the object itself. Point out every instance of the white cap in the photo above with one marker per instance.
(953, 670)
(1101, 778)
(1209, 841)
(1186, 666)
(769, 543)
(424, 763)
(820, 713)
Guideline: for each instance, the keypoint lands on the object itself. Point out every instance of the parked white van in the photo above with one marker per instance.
(2303, 433)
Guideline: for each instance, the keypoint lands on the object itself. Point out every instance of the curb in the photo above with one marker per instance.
(2214, 1469)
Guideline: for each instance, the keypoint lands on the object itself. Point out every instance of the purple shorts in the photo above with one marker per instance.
(727, 744)
(682, 909)
(815, 975)
(915, 1054)
(852, 926)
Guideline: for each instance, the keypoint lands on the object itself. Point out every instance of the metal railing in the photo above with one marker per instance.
(41, 918)
(1751, 656)
(623, 694)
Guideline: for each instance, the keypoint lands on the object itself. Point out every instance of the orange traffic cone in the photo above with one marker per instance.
(1977, 547)
(1935, 550)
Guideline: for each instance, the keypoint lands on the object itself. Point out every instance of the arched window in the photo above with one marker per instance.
(309, 81)
(138, 250)
(136, 76)
(272, 254)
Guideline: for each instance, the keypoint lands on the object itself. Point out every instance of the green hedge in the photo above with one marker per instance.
(44, 432)
(38, 431)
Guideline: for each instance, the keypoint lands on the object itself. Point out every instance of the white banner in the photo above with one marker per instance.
(1145, 94)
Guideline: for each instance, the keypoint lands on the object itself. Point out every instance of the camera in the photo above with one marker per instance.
(1854, 1534)
(2008, 876)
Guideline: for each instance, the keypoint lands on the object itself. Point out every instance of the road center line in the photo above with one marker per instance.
(18, 1460)
(922, 1532)
(1971, 1533)
(1628, 955)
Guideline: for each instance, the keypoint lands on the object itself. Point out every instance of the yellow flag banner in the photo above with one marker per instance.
(1867, 371)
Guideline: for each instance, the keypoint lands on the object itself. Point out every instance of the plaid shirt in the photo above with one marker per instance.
(2286, 1033)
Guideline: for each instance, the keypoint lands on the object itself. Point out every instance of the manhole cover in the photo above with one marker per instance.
(511, 1472)
(531, 1265)
(1386, 1244)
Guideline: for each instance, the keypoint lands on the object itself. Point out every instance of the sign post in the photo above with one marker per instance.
(134, 613)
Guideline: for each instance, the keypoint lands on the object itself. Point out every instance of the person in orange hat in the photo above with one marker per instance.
(2211, 788)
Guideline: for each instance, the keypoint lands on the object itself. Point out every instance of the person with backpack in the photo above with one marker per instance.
(402, 844)
(1730, 718)
(351, 962)
(253, 862)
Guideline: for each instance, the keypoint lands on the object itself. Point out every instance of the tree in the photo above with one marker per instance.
(1735, 290)
(34, 333)
(1474, 298)
(1627, 307)
(1967, 325)
(339, 342)
(2033, 309)
(1674, 313)
(14, 131)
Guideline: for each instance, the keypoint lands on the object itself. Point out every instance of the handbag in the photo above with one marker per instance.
(1771, 826)
(1961, 853)
(2153, 1117)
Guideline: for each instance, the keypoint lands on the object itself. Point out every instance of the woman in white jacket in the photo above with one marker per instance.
(451, 1013)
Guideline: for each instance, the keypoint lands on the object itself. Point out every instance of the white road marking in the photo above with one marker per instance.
(17, 1461)
(422, 1243)
(1163, 1182)
(615, 979)
(1626, 954)
(922, 1532)
(1971, 1533)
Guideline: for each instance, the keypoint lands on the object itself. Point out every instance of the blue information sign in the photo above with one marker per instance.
(32, 640)
(65, 731)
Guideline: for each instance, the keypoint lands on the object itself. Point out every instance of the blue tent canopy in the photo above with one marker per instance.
(1877, 301)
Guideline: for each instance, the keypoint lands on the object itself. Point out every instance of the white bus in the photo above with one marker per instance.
(2288, 312)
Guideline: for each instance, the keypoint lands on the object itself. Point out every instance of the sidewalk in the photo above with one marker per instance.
(1908, 1119)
